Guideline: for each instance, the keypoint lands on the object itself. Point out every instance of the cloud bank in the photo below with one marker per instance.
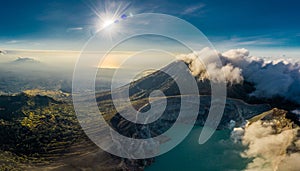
(270, 78)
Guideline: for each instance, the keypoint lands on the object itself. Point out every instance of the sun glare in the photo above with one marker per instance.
(109, 15)
(104, 23)
(107, 23)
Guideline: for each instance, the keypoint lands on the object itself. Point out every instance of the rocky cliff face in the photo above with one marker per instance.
(235, 111)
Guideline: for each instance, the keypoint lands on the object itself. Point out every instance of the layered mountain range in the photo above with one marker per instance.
(42, 132)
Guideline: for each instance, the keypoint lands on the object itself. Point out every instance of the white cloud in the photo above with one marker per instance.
(228, 72)
(14, 41)
(249, 41)
(211, 71)
(268, 148)
(256, 40)
(193, 9)
(74, 29)
(290, 163)
(271, 78)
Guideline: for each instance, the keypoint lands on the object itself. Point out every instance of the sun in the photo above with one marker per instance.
(109, 15)
(107, 23)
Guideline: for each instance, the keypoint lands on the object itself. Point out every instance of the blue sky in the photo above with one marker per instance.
(66, 25)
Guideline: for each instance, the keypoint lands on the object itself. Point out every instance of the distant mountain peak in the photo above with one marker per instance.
(25, 60)
(2, 52)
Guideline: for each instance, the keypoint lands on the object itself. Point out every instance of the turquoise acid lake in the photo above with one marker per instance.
(219, 153)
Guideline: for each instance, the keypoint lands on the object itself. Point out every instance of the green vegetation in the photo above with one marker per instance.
(35, 129)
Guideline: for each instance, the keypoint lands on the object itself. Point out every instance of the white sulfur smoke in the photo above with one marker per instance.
(290, 163)
(237, 134)
(211, 71)
(268, 149)
(270, 78)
